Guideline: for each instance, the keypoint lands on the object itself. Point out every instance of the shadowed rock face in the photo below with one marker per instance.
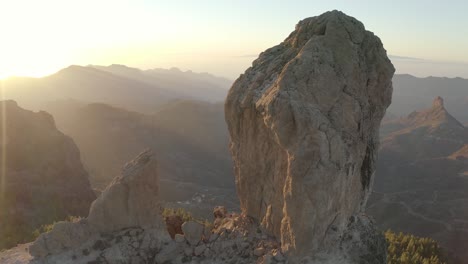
(42, 179)
(304, 125)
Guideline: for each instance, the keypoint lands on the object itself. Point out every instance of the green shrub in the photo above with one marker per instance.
(185, 216)
(49, 227)
(409, 249)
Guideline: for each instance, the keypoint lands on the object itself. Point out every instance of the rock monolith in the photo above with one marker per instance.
(304, 125)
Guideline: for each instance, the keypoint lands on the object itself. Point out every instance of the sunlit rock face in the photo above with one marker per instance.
(131, 199)
(129, 205)
(304, 125)
(42, 179)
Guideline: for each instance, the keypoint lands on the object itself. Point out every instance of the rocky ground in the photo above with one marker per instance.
(230, 238)
(233, 238)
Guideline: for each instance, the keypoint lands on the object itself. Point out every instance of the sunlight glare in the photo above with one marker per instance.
(3, 143)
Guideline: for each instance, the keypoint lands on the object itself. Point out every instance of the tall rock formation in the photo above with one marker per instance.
(130, 201)
(304, 123)
(42, 179)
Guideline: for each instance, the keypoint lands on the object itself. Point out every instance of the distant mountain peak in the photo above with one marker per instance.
(438, 102)
(434, 116)
(429, 133)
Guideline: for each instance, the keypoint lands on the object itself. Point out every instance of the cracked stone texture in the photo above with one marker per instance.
(304, 123)
(360, 243)
(130, 201)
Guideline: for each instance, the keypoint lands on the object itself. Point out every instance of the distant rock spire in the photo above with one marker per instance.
(438, 102)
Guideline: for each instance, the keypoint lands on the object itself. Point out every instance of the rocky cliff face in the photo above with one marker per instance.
(304, 125)
(42, 178)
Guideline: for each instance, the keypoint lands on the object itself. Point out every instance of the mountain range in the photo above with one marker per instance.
(117, 85)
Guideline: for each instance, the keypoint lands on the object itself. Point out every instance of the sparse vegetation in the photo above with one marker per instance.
(181, 212)
(49, 227)
(409, 249)
(185, 216)
(13, 234)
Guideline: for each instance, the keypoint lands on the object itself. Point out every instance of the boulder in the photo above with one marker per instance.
(193, 232)
(304, 123)
(65, 235)
(179, 238)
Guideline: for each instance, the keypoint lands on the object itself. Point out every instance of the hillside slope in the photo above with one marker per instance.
(421, 182)
(42, 178)
(189, 138)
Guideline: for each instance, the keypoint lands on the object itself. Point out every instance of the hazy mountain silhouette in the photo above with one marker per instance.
(200, 86)
(133, 89)
(43, 181)
(189, 137)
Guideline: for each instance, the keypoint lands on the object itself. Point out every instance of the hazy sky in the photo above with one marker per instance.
(220, 37)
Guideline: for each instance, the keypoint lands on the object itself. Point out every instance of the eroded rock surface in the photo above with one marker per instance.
(130, 203)
(304, 125)
(131, 200)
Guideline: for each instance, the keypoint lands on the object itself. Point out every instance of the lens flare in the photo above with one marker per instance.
(2, 143)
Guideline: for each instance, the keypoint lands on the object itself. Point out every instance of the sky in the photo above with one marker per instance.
(423, 38)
